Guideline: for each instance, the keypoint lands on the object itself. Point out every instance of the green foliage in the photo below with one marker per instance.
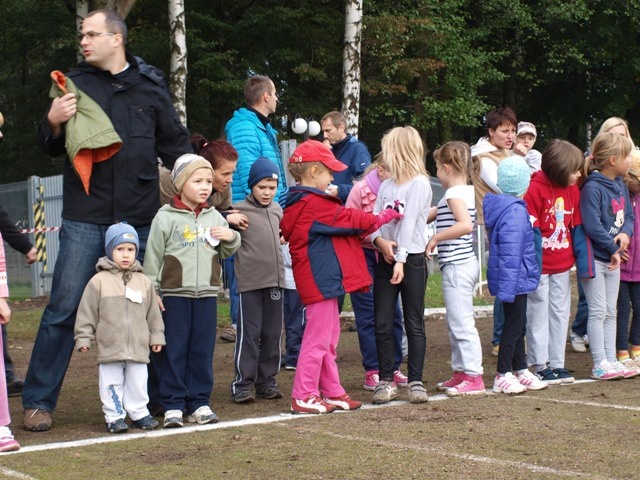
(439, 66)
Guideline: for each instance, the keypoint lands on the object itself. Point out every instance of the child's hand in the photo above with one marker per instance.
(156, 348)
(615, 261)
(160, 304)
(5, 311)
(520, 149)
(398, 273)
(624, 256)
(386, 216)
(386, 249)
(222, 233)
(83, 349)
(623, 240)
(433, 213)
(431, 246)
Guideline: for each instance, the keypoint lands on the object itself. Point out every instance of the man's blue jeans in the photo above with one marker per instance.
(81, 245)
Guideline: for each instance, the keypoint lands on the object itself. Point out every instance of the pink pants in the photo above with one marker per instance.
(5, 419)
(317, 372)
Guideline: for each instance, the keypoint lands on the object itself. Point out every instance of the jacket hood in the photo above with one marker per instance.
(294, 206)
(149, 71)
(109, 265)
(494, 207)
(483, 146)
(241, 115)
(603, 181)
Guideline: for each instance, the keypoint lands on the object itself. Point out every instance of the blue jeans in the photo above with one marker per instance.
(498, 321)
(234, 299)
(411, 289)
(579, 326)
(294, 322)
(628, 296)
(81, 245)
(362, 304)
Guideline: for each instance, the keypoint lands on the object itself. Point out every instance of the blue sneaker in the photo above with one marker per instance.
(145, 423)
(548, 376)
(118, 426)
(563, 375)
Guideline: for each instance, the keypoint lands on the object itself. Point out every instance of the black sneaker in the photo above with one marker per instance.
(119, 426)
(145, 423)
(244, 396)
(15, 387)
(548, 376)
(564, 375)
(271, 393)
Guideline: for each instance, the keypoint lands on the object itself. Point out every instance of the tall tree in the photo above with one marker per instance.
(178, 71)
(351, 65)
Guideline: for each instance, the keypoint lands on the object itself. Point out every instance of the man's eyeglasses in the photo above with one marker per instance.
(93, 35)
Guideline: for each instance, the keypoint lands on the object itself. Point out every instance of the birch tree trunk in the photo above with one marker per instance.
(351, 65)
(178, 73)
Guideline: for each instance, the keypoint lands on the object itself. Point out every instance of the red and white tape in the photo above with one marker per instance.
(39, 230)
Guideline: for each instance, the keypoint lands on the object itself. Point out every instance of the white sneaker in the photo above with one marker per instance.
(577, 343)
(530, 380)
(172, 419)
(626, 370)
(508, 384)
(202, 416)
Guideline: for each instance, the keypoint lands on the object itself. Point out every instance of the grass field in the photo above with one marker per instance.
(585, 430)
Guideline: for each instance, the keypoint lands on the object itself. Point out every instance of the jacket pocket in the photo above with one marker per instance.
(142, 122)
(171, 273)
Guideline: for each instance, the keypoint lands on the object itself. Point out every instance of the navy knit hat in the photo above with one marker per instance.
(513, 176)
(262, 168)
(120, 233)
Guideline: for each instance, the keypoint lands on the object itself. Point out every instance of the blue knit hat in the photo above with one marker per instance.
(513, 176)
(120, 233)
(262, 168)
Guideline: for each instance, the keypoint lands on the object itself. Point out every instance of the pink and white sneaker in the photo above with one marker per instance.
(470, 385)
(7, 442)
(452, 382)
(371, 380)
(400, 378)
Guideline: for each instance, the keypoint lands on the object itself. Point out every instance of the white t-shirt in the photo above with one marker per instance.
(457, 250)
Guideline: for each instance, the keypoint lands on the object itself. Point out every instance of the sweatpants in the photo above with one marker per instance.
(548, 309)
(123, 390)
(317, 372)
(256, 359)
(186, 370)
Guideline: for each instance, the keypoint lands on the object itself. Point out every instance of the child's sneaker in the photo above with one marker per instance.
(400, 379)
(577, 343)
(384, 392)
(173, 419)
(343, 402)
(455, 379)
(564, 375)
(7, 442)
(145, 423)
(508, 384)
(548, 376)
(371, 380)
(117, 426)
(202, 416)
(531, 381)
(311, 404)
(495, 350)
(417, 392)
(606, 371)
(626, 371)
(470, 385)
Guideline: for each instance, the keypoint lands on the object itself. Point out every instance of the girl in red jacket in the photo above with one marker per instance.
(327, 262)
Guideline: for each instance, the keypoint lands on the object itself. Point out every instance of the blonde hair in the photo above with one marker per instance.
(613, 122)
(403, 153)
(297, 169)
(605, 146)
(457, 154)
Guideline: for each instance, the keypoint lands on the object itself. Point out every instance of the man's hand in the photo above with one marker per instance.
(62, 109)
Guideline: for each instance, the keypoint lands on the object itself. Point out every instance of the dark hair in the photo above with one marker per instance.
(500, 116)
(560, 160)
(215, 151)
(114, 21)
(255, 87)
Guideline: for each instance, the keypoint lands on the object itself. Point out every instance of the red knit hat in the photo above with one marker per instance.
(315, 151)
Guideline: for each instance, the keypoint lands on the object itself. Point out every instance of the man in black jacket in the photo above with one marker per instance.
(135, 97)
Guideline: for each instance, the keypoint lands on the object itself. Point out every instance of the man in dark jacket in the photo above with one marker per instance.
(349, 150)
(124, 187)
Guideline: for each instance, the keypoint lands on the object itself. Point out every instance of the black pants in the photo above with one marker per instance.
(512, 356)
